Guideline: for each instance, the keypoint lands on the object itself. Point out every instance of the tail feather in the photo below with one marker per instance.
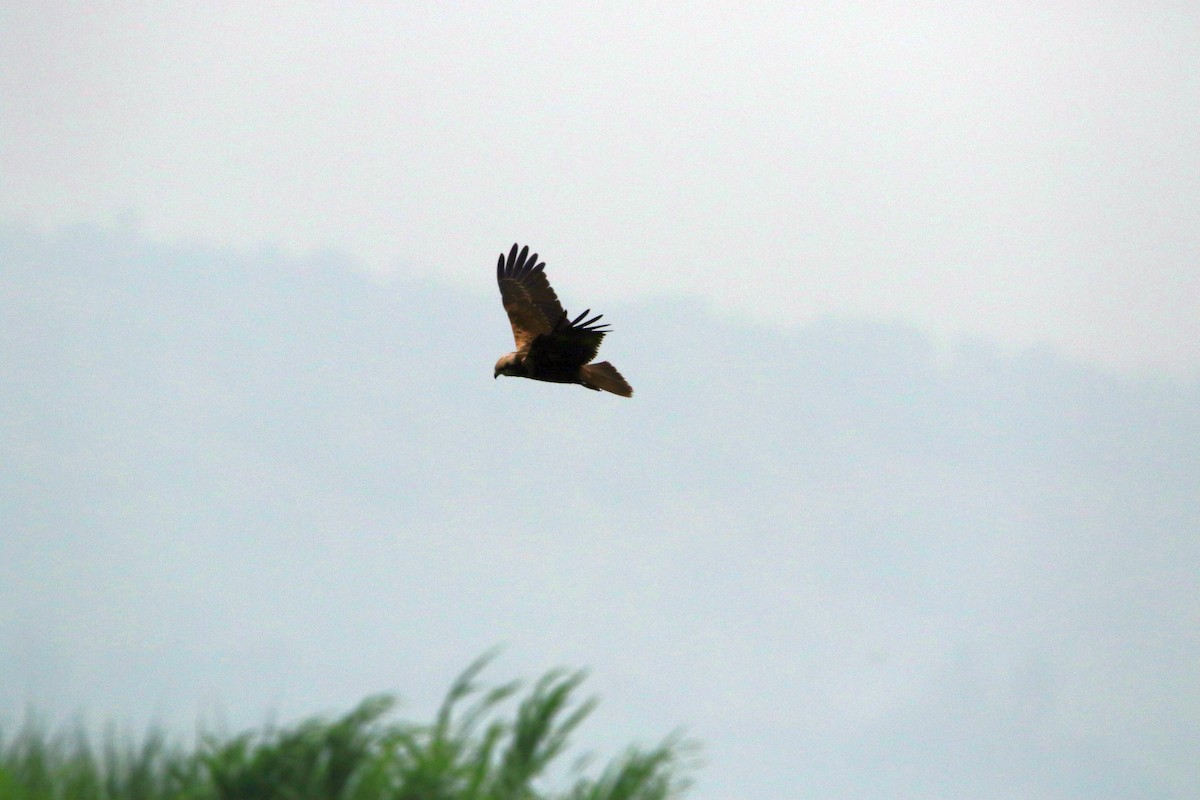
(605, 376)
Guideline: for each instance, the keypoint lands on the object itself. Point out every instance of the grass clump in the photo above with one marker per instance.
(470, 751)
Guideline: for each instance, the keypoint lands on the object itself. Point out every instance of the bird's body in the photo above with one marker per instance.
(550, 346)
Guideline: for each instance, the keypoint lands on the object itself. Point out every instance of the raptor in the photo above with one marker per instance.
(550, 345)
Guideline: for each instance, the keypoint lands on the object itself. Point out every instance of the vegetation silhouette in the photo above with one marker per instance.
(470, 751)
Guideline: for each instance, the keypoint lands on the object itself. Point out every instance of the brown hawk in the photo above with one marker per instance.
(550, 346)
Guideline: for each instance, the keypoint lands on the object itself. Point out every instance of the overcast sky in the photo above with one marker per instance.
(849, 566)
(905, 503)
(1022, 170)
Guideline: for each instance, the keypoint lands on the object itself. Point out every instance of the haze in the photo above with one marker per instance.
(1023, 171)
(905, 503)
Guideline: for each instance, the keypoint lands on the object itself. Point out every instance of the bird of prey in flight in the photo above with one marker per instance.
(550, 345)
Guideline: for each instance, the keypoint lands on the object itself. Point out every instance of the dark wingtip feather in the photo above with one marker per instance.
(520, 263)
(589, 325)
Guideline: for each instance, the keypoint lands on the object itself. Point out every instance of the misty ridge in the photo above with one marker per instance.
(1044, 513)
(116, 344)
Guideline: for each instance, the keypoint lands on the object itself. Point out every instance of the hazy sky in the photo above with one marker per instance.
(1022, 170)
(847, 565)
(928, 528)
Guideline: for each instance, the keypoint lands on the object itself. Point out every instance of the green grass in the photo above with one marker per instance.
(471, 751)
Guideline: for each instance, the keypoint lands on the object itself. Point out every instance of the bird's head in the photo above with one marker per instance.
(509, 364)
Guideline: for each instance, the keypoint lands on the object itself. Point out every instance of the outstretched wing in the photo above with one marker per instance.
(570, 345)
(532, 306)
